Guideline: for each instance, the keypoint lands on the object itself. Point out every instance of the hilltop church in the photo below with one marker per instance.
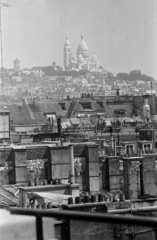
(83, 60)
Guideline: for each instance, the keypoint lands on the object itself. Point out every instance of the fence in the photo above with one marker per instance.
(75, 215)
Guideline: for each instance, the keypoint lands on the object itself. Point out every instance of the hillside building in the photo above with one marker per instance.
(83, 59)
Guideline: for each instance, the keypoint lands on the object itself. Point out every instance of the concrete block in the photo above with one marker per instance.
(114, 183)
(93, 153)
(82, 183)
(134, 192)
(74, 190)
(21, 174)
(148, 166)
(113, 166)
(83, 230)
(20, 157)
(60, 155)
(149, 182)
(94, 184)
(94, 169)
(60, 171)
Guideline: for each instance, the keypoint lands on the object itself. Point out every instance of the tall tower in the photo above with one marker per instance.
(67, 53)
(16, 64)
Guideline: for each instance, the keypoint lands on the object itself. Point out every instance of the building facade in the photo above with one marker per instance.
(83, 59)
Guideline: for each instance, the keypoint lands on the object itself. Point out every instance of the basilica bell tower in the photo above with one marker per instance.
(67, 53)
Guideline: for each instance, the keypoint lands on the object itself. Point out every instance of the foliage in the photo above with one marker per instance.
(134, 75)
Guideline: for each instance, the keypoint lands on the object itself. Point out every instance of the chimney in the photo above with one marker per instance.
(72, 173)
(59, 125)
(146, 110)
(35, 101)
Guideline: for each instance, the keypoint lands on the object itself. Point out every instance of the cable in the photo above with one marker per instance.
(1, 42)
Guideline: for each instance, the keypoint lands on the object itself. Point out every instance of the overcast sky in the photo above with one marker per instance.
(122, 33)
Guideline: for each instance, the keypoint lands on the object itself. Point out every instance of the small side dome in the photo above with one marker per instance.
(94, 58)
(16, 60)
(80, 58)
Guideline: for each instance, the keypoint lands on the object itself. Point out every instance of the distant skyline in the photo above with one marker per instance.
(122, 33)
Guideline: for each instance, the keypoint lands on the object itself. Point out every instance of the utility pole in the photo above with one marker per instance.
(4, 5)
(151, 99)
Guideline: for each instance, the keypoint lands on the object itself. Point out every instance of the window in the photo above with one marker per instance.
(129, 148)
(86, 105)
(62, 106)
(147, 147)
(100, 104)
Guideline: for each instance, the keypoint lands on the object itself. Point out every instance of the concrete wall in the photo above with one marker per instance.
(149, 175)
(132, 177)
(56, 164)
(59, 161)
(93, 179)
(6, 156)
(111, 174)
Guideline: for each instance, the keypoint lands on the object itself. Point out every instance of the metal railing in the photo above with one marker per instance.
(84, 216)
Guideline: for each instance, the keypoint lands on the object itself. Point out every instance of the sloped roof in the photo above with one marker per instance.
(76, 106)
(71, 108)
(17, 116)
(9, 196)
(38, 109)
(75, 121)
(96, 106)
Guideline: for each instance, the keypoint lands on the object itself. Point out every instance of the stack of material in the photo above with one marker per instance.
(45, 197)
(9, 196)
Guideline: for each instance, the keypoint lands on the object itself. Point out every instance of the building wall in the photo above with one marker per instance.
(56, 163)
(4, 125)
(139, 102)
(19, 129)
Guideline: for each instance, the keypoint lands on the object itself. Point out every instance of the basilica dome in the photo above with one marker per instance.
(83, 49)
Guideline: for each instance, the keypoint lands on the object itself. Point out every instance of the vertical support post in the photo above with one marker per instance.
(112, 142)
(39, 228)
(72, 174)
(115, 148)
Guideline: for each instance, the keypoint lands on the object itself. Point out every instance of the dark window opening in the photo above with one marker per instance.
(86, 105)
(100, 104)
(62, 106)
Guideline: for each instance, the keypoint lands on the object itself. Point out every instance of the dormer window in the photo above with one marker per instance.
(62, 106)
(119, 113)
(86, 105)
(100, 104)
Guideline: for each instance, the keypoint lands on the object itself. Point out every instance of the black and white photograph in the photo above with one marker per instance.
(78, 119)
